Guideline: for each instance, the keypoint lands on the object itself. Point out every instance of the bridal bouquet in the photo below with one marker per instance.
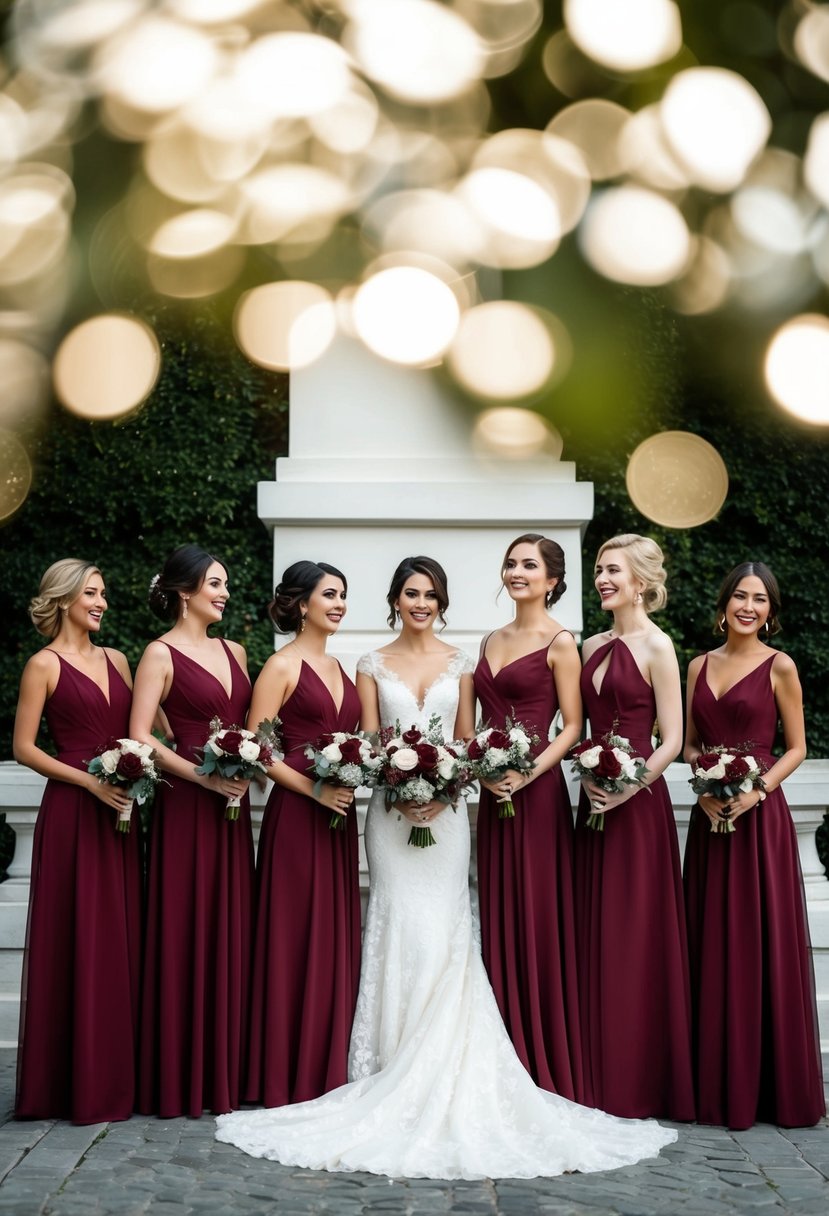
(231, 751)
(420, 766)
(493, 752)
(723, 772)
(343, 759)
(130, 764)
(610, 764)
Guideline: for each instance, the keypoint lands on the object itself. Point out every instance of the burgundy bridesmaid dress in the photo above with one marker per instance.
(79, 1011)
(200, 904)
(525, 887)
(757, 1054)
(306, 967)
(630, 922)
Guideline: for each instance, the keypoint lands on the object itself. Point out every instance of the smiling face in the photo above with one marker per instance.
(417, 603)
(525, 574)
(90, 605)
(748, 608)
(208, 603)
(615, 581)
(325, 607)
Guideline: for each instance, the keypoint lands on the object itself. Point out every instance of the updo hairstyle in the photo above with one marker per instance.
(183, 572)
(552, 555)
(732, 581)
(60, 586)
(426, 566)
(647, 563)
(297, 583)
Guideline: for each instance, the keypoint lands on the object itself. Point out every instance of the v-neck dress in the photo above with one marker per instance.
(306, 962)
(525, 888)
(79, 1008)
(200, 904)
(757, 1052)
(630, 921)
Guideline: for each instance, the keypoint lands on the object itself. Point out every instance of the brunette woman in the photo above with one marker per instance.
(632, 947)
(196, 967)
(79, 1007)
(529, 671)
(757, 1054)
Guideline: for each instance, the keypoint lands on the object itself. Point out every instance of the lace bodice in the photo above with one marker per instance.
(399, 704)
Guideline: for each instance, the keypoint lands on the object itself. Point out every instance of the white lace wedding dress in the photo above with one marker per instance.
(437, 1090)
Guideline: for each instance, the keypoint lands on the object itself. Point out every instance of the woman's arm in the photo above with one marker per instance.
(789, 697)
(465, 719)
(369, 703)
(713, 807)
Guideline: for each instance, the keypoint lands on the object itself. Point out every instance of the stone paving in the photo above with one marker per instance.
(174, 1167)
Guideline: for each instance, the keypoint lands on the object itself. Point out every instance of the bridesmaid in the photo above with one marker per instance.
(757, 1055)
(529, 670)
(79, 1008)
(630, 922)
(200, 881)
(306, 964)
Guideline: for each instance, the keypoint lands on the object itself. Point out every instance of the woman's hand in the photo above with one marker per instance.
(717, 809)
(742, 802)
(114, 796)
(335, 798)
(602, 801)
(228, 787)
(511, 782)
(420, 813)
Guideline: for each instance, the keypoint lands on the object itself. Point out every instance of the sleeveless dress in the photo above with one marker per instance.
(306, 962)
(630, 922)
(757, 1053)
(200, 897)
(525, 888)
(79, 1009)
(437, 1090)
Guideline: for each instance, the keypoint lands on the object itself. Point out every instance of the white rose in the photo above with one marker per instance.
(130, 745)
(628, 767)
(590, 758)
(372, 762)
(339, 736)
(249, 750)
(717, 772)
(145, 751)
(405, 758)
(746, 785)
(446, 768)
(497, 757)
(109, 761)
(751, 762)
(332, 753)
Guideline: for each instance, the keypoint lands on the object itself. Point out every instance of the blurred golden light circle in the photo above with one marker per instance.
(286, 199)
(416, 50)
(212, 12)
(816, 160)
(157, 65)
(797, 368)
(193, 278)
(634, 236)
(427, 221)
(811, 41)
(349, 126)
(106, 366)
(24, 375)
(15, 473)
(552, 163)
(626, 37)
(505, 27)
(293, 75)
(406, 315)
(521, 220)
(174, 163)
(716, 123)
(771, 218)
(677, 480)
(594, 127)
(645, 153)
(513, 433)
(192, 234)
(502, 349)
(285, 325)
(705, 284)
(34, 221)
(86, 23)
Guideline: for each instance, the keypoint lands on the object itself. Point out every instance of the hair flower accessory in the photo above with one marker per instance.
(154, 581)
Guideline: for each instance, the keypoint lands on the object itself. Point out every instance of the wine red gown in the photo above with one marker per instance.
(630, 922)
(306, 967)
(525, 888)
(79, 1010)
(200, 904)
(757, 1054)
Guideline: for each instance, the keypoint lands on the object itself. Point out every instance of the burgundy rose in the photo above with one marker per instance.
(129, 767)
(350, 751)
(427, 755)
(111, 745)
(475, 751)
(500, 739)
(584, 746)
(265, 754)
(737, 769)
(394, 776)
(411, 736)
(608, 766)
(706, 760)
(230, 742)
(324, 741)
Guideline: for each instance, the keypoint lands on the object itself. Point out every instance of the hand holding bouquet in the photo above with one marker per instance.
(609, 763)
(723, 773)
(493, 752)
(420, 767)
(130, 764)
(343, 759)
(233, 752)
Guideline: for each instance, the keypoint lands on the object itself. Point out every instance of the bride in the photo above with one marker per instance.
(436, 1088)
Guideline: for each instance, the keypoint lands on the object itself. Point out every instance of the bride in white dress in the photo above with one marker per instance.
(436, 1089)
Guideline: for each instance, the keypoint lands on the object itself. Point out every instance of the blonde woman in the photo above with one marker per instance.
(630, 926)
(79, 1004)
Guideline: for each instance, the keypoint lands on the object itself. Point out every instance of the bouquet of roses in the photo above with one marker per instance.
(723, 772)
(492, 752)
(343, 759)
(231, 751)
(610, 764)
(130, 764)
(420, 766)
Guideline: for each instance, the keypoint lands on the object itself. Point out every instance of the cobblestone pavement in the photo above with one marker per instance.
(174, 1167)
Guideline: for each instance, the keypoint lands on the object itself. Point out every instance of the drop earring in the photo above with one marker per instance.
(302, 623)
(721, 624)
(184, 609)
(637, 599)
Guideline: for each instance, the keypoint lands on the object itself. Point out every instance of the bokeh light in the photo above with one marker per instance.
(293, 74)
(512, 433)
(406, 314)
(625, 36)
(15, 473)
(797, 368)
(594, 127)
(634, 236)
(157, 65)
(505, 350)
(677, 479)
(24, 375)
(106, 366)
(285, 325)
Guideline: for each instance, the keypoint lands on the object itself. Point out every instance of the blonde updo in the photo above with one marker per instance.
(60, 586)
(646, 563)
